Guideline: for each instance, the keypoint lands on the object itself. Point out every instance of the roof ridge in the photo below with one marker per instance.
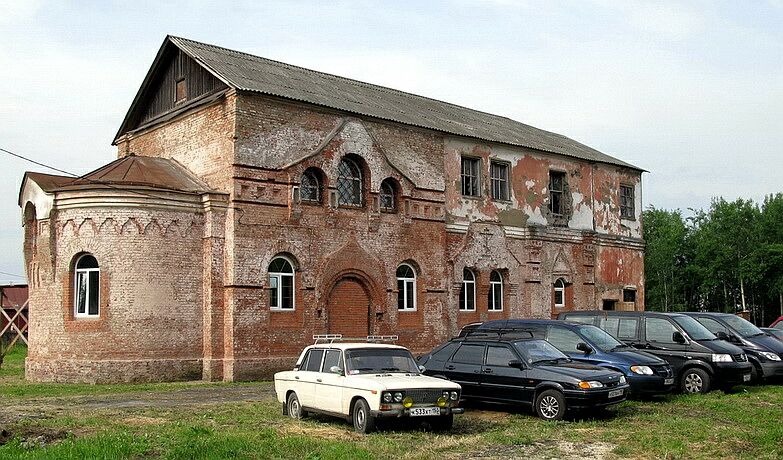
(362, 83)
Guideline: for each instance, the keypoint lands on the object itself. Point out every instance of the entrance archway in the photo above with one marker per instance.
(348, 308)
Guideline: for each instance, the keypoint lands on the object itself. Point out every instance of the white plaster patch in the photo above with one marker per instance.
(529, 184)
(534, 216)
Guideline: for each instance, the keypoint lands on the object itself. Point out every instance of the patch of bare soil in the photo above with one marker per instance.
(548, 450)
(33, 436)
(44, 407)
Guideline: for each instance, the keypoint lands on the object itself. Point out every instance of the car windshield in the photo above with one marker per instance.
(694, 328)
(744, 327)
(380, 360)
(535, 351)
(600, 338)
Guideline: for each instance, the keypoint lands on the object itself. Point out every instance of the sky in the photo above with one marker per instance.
(690, 91)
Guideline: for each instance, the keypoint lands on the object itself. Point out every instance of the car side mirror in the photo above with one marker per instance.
(677, 337)
(336, 370)
(515, 363)
(722, 335)
(587, 349)
(422, 369)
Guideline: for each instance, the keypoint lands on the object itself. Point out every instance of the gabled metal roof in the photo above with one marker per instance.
(246, 72)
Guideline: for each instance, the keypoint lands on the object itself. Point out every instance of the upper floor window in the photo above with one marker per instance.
(498, 175)
(181, 90)
(349, 183)
(467, 293)
(281, 284)
(86, 287)
(406, 287)
(629, 295)
(560, 293)
(470, 176)
(310, 187)
(495, 300)
(387, 196)
(556, 191)
(626, 202)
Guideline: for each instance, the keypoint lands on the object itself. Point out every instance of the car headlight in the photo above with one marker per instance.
(721, 358)
(398, 397)
(387, 397)
(770, 356)
(622, 380)
(642, 370)
(450, 395)
(591, 384)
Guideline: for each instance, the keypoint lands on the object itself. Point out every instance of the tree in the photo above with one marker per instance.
(665, 258)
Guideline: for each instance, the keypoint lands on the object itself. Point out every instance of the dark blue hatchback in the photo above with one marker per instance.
(646, 374)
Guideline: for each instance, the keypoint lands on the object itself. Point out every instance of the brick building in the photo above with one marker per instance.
(255, 203)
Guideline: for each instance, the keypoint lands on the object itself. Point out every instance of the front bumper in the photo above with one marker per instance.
(584, 399)
(402, 412)
(771, 369)
(650, 384)
(733, 373)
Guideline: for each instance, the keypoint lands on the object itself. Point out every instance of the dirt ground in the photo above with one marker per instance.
(45, 407)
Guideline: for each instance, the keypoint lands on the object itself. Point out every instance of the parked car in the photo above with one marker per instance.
(363, 382)
(646, 374)
(776, 333)
(764, 352)
(515, 368)
(777, 324)
(700, 360)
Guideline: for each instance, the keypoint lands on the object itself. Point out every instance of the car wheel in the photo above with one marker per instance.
(363, 420)
(695, 380)
(550, 405)
(294, 408)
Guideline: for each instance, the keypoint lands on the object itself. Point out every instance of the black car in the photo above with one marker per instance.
(772, 332)
(646, 374)
(764, 352)
(700, 360)
(514, 368)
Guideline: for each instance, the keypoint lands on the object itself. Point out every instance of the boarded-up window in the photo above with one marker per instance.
(182, 90)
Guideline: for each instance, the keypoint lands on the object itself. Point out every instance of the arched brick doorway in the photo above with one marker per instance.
(348, 308)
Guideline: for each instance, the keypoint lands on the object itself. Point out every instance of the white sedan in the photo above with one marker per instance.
(362, 382)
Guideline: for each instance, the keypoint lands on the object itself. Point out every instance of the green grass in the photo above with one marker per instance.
(746, 424)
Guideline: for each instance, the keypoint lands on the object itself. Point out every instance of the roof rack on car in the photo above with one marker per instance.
(330, 338)
(499, 333)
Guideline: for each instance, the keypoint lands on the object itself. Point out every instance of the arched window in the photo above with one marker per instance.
(310, 187)
(560, 293)
(281, 284)
(349, 183)
(86, 287)
(495, 300)
(406, 287)
(387, 196)
(467, 293)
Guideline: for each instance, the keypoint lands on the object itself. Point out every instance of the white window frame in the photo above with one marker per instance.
(560, 287)
(79, 273)
(464, 292)
(408, 283)
(278, 277)
(493, 300)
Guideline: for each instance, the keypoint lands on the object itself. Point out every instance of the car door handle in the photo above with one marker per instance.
(297, 377)
(487, 371)
(450, 367)
(318, 380)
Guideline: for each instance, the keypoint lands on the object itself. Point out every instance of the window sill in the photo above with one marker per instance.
(282, 309)
(468, 311)
(406, 310)
(471, 197)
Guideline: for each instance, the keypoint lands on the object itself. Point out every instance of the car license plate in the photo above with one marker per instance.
(615, 393)
(746, 378)
(668, 382)
(424, 411)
